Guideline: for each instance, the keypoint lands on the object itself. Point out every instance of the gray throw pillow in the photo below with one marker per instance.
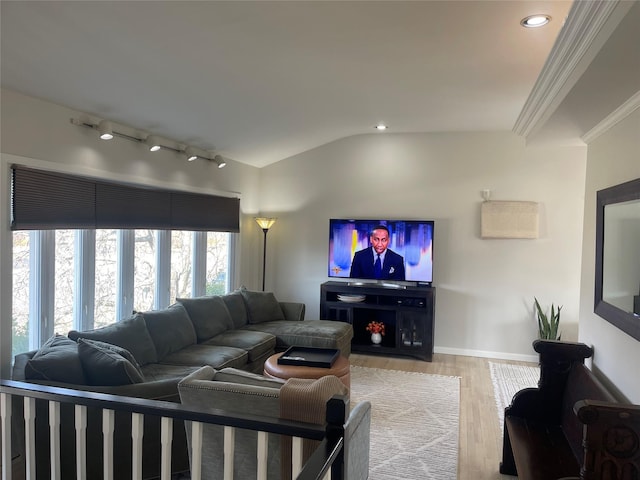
(171, 329)
(236, 305)
(130, 334)
(210, 315)
(57, 361)
(262, 306)
(106, 364)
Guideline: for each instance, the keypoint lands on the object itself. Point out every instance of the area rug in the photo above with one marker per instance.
(414, 423)
(507, 380)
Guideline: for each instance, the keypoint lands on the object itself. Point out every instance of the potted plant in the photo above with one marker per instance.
(548, 325)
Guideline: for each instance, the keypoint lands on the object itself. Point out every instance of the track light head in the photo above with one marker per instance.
(153, 143)
(219, 161)
(105, 129)
(191, 154)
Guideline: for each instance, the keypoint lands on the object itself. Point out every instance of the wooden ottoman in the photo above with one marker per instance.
(340, 368)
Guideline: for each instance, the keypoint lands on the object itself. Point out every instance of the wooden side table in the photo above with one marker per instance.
(340, 368)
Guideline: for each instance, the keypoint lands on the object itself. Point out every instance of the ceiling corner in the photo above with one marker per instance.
(587, 27)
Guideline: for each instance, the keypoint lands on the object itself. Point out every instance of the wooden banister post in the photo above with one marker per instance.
(337, 408)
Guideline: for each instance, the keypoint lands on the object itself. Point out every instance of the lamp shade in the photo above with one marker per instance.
(265, 222)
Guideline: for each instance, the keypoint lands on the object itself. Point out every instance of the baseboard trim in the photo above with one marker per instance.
(517, 357)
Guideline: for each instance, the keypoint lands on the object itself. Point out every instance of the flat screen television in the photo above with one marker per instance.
(411, 239)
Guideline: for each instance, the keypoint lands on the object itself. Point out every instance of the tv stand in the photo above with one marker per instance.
(407, 313)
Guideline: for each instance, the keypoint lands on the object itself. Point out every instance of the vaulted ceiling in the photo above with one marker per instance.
(260, 81)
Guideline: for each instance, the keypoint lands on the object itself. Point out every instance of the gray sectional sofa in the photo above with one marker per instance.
(146, 355)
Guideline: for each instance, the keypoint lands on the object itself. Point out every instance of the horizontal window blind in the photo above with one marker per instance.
(42, 200)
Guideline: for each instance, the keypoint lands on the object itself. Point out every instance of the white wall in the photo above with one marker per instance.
(613, 158)
(485, 288)
(40, 134)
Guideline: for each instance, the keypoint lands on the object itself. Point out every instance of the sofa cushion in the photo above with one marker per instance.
(262, 306)
(158, 372)
(171, 329)
(215, 356)
(106, 364)
(237, 376)
(57, 360)
(130, 334)
(309, 333)
(203, 390)
(255, 343)
(209, 315)
(237, 308)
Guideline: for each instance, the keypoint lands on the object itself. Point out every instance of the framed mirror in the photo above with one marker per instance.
(617, 286)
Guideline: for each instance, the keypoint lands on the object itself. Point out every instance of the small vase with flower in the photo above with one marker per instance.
(377, 331)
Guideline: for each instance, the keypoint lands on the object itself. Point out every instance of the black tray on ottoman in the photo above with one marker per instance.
(309, 356)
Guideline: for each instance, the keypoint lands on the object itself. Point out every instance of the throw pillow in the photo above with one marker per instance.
(210, 315)
(262, 306)
(57, 361)
(130, 334)
(106, 364)
(114, 348)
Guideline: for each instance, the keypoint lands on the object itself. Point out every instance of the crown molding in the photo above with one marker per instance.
(617, 115)
(570, 56)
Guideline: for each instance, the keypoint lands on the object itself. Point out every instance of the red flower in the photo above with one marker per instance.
(376, 327)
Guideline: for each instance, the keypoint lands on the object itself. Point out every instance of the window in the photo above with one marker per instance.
(64, 278)
(181, 263)
(20, 313)
(105, 280)
(88, 280)
(217, 263)
(97, 250)
(144, 270)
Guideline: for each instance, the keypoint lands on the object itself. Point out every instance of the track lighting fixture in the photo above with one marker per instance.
(105, 129)
(219, 161)
(190, 154)
(153, 143)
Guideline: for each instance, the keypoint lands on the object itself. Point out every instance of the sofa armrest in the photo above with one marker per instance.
(293, 310)
(357, 442)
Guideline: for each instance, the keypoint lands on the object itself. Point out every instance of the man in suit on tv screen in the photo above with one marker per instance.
(377, 261)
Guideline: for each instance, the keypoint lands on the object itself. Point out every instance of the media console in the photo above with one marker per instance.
(407, 313)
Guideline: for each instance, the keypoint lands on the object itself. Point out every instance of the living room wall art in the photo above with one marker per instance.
(509, 219)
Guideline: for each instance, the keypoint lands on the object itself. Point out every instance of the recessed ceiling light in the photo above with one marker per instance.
(381, 127)
(533, 21)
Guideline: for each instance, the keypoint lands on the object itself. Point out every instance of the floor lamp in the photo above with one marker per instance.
(265, 224)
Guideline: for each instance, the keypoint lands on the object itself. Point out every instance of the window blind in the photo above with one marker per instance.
(42, 200)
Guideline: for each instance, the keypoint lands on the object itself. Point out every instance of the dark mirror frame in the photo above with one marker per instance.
(625, 321)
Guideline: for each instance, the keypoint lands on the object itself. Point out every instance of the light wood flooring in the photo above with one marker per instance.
(480, 447)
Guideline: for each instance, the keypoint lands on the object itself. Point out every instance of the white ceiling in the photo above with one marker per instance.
(262, 81)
